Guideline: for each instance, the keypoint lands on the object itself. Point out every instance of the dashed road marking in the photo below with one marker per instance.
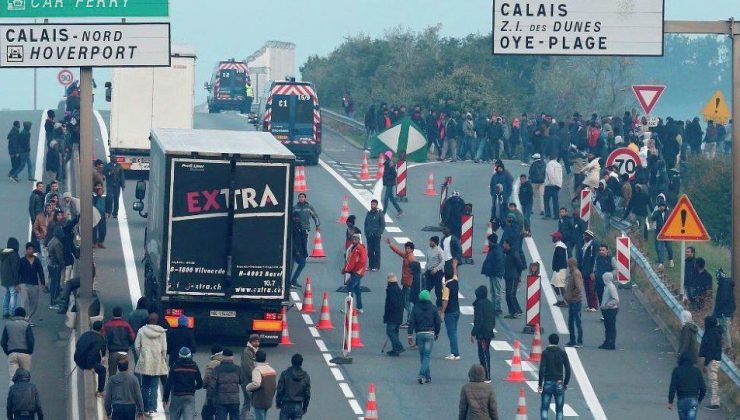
(419, 253)
(392, 229)
(568, 411)
(328, 358)
(320, 344)
(337, 374)
(526, 366)
(356, 407)
(346, 390)
(307, 319)
(500, 345)
(314, 332)
(401, 239)
(466, 310)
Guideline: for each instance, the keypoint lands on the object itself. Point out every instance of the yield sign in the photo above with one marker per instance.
(683, 224)
(647, 96)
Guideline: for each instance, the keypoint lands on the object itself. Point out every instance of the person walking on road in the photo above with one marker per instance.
(574, 298)
(18, 342)
(208, 412)
(687, 340)
(374, 228)
(711, 350)
(426, 323)
(293, 390)
(389, 181)
(605, 263)
(249, 357)
(450, 310)
(587, 265)
(477, 398)
(526, 199)
(115, 183)
(493, 268)
(15, 131)
(609, 309)
(90, 351)
(24, 153)
(393, 314)
(224, 384)
(9, 263)
(24, 401)
(434, 269)
(553, 183)
(179, 337)
(151, 346)
(484, 321)
(300, 249)
(139, 316)
(688, 384)
(407, 278)
(101, 203)
(263, 385)
(182, 382)
(537, 172)
(123, 400)
(307, 213)
(120, 337)
(355, 267)
(724, 307)
(30, 278)
(513, 267)
(553, 377)
(559, 268)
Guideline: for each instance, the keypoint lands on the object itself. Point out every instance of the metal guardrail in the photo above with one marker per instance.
(350, 122)
(727, 365)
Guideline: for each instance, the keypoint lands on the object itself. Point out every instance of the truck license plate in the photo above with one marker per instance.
(224, 314)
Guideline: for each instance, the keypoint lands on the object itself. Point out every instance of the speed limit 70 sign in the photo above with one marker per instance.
(625, 161)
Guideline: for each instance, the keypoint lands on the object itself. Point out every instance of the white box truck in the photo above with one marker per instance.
(146, 98)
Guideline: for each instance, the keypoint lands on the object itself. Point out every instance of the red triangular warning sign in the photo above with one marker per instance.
(683, 224)
(647, 96)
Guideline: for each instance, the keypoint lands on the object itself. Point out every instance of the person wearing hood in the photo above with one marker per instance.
(711, 350)
(139, 316)
(208, 412)
(9, 263)
(724, 306)
(498, 207)
(179, 337)
(151, 346)
(553, 183)
(553, 377)
(526, 198)
(503, 177)
(249, 357)
(477, 398)
(688, 384)
(605, 199)
(224, 383)
(425, 322)
(484, 322)
(293, 390)
(18, 341)
(393, 314)
(123, 400)
(15, 131)
(389, 181)
(493, 268)
(559, 268)
(609, 309)
(513, 267)
(182, 382)
(659, 216)
(467, 145)
(24, 401)
(53, 161)
(687, 343)
(702, 283)
(24, 152)
(639, 205)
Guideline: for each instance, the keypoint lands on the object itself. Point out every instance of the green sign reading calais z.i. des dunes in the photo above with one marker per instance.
(83, 8)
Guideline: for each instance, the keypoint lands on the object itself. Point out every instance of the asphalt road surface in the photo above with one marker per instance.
(633, 380)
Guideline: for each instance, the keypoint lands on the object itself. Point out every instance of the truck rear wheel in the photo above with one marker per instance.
(213, 109)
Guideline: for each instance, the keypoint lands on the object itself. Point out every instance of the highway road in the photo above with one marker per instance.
(606, 384)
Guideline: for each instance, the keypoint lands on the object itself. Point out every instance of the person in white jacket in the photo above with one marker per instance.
(151, 348)
(609, 308)
(553, 183)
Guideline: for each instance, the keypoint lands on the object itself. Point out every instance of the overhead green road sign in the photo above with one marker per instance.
(83, 8)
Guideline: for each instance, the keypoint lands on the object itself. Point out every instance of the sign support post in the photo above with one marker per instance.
(683, 269)
(86, 209)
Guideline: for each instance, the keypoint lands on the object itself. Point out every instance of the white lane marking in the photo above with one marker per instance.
(586, 389)
(314, 332)
(419, 253)
(328, 358)
(460, 295)
(296, 297)
(392, 229)
(402, 239)
(322, 347)
(346, 390)
(307, 319)
(526, 366)
(128, 251)
(568, 411)
(466, 310)
(500, 345)
(356, 407)
(362, 196)
(73, 390)
(533, 385)
(337, 374)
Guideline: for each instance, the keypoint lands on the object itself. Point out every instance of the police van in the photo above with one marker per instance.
(292, 114)
(226, 89)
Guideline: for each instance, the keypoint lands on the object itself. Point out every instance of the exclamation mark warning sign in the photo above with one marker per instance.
(683, 224)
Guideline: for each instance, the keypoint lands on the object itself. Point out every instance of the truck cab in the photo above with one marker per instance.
(226, 88)
(293, 115)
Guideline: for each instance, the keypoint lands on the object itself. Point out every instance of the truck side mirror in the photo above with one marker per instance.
(207, 86)
(140, 189)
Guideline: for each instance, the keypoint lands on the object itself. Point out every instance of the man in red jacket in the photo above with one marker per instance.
(355, 266)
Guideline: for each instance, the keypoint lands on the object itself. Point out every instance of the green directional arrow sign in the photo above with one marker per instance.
(83, 8)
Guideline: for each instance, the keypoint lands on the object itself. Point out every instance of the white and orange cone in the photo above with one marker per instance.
(285, 339)
(489, 232)
(536, 354)
(318, 246)
(356, 340)
(299, 185)
(307, 307)
(381, 167)
(325, 318)
(344, 214)
(516, 374)
(365, 168)
(371, 406)
(521, 409)
(430, 186)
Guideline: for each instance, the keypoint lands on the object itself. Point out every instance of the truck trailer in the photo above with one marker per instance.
(217, 242)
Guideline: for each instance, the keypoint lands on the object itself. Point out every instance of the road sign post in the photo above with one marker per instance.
(345, 358)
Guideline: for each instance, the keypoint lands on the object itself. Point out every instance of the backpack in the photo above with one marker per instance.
(537, 172)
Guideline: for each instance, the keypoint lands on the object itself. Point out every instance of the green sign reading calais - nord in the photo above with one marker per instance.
(83, 8)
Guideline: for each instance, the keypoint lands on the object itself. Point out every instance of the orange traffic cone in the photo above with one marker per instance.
(364, 169)
(325, 318)
(536, 354)
(516, 374)
(521, 409)
(430, 186)
(285, 339)
(381, 167)
(307, 307)
(345, 211)
(489, 232)
(371, 406)
(318, 246)
(299, 185)
(356, 340)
